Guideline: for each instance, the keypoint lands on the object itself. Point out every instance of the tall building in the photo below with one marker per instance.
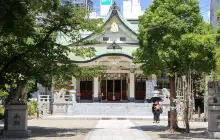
(104, 7)
(214, 6)
(131, 9)
(88, 3)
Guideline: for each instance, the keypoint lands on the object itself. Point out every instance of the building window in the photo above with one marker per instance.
(122, 38)
(105, 38)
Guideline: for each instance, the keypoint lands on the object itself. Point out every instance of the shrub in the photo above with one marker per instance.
(32, 108)
(2, 109)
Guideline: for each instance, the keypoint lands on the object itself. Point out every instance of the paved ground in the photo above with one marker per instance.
(158, 131)
(116, 130)
(59, 129)
(109, 130)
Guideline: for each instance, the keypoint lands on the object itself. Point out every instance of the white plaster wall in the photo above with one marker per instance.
(116, 37)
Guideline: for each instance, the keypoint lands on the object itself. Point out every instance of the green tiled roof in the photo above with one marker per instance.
(101, 49)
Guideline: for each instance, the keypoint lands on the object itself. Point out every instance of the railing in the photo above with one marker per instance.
(44, 98)
(49, 98)
(44, 105)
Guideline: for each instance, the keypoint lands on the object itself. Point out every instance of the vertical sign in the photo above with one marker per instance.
(149, 89)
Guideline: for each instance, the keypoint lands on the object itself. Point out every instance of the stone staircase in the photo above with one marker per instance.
(114, 109)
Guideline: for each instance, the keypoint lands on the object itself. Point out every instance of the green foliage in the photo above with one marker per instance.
(32, 87)
(216, 72)
(2, 111)
(174, 38)
(3, 94)
(198, 83)
(32, 108)
(30, 50)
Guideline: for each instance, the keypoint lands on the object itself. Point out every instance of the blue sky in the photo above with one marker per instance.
(204, 4)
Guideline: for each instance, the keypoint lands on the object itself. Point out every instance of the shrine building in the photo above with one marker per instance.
(123, 81)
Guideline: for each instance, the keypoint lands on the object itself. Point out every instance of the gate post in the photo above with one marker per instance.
(213, 110)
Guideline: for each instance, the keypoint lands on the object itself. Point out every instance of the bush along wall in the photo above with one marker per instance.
(32, 108)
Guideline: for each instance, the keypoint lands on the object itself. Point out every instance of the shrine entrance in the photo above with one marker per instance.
(86, 89)
(114, 88)
(140, 87)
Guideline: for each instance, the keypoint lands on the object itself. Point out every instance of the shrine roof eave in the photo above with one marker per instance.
(103, 55)
(106, 44)
(114, 12)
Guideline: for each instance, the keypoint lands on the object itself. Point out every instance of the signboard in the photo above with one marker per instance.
(106, 2)
(114, 57)
(149, 89)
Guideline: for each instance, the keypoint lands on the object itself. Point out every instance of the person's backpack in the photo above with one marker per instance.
(157, 107)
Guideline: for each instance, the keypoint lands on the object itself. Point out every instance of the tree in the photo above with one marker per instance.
(28, 33)
(216, 72)
(173, 38)
(29, 49)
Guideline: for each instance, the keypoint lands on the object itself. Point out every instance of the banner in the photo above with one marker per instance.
(150, 88)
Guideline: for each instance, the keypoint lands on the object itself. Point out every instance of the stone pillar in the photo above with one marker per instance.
(127, 86)
(74, 82)
(77, 85)
(213, 108)
(95, 89)
(132, 87)
(17, 121)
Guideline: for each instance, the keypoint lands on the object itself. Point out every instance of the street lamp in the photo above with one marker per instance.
(132, 67)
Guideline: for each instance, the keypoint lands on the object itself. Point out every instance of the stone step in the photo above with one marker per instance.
(122, 109)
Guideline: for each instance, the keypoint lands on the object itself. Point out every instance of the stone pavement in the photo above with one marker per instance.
(57, 129)
(116, 130)
(109, 130)
(158, 131)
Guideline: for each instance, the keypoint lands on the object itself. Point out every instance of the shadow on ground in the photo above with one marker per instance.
(152, 128)
(56, 132)
(161, 131)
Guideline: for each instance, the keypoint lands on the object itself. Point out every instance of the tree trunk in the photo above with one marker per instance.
(186, 113)
(6, 115)
(173, 112)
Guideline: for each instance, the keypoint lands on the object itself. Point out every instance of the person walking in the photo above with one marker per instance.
(154, 111)
(157, 111)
